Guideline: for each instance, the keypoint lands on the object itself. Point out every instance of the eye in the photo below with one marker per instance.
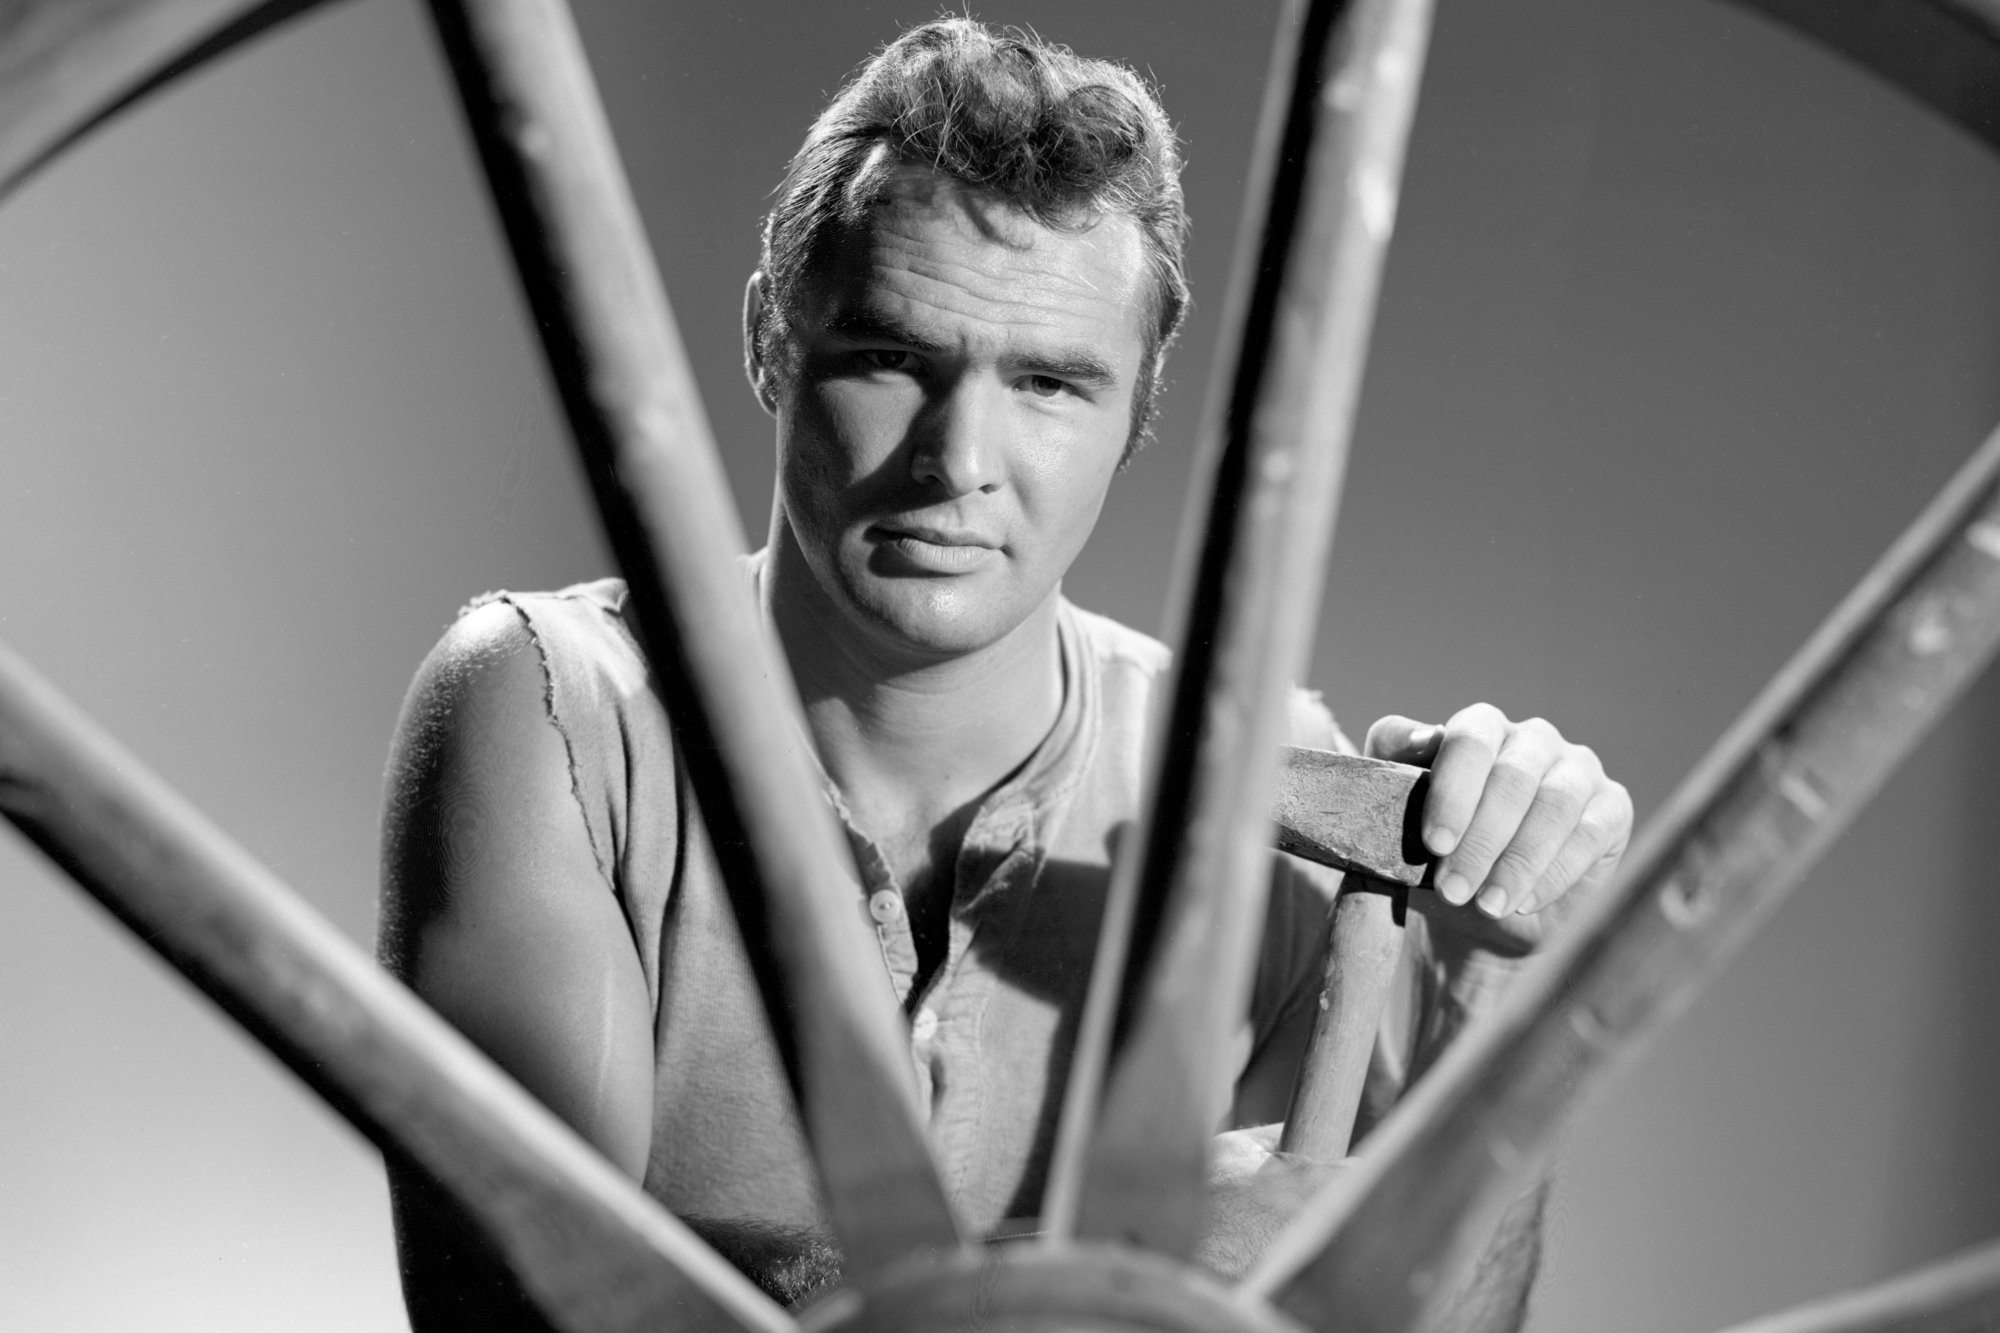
(1045, 386)
(884, 358)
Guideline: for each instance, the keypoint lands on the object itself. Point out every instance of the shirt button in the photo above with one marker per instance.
(925, 1026)
(885, 906)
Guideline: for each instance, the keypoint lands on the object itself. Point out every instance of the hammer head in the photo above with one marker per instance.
(1352, 813)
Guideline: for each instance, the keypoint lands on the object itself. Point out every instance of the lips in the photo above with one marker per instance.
(936, 536)
(935, 550)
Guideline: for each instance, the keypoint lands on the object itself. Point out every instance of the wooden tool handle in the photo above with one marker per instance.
(1361, 959)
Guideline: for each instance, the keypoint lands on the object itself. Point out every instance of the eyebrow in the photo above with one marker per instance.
(1075, 364)
(865, 326)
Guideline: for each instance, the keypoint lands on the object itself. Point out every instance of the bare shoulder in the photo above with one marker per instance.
(485, 674)
(494, 907)
(478, 779)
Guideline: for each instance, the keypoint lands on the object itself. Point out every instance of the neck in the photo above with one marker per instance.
(909, 736)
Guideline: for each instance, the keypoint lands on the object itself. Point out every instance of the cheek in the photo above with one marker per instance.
(1063, 479)
(817, 454)
(808, 470)
(857, 424)
(837, 445)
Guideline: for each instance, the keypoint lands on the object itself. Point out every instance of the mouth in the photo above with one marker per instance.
(934, 550)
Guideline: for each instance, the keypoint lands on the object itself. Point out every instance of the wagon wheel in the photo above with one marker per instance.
(1374, 1253)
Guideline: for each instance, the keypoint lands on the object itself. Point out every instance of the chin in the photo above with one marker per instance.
(935, 617)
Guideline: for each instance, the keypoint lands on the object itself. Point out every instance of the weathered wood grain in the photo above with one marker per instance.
(1361, 815)
(595, 1252)
(1380, 1253)
(629, 394)
(1352, 813)
(1174, 966)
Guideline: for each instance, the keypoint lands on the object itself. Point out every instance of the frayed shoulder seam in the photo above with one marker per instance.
(554, 715)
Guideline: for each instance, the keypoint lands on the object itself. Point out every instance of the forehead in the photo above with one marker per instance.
(968, 268)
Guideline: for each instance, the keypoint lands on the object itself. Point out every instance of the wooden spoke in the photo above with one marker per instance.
(1173, 970)
(68, 65)
(1959, 1295)
(638, 424)
(597, 1255)
(1380, 1252)
(1945, 53)
(1043, 1289)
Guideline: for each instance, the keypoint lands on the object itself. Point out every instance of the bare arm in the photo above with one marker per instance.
(495, 912)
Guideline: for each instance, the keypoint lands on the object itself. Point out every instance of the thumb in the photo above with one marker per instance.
(1403, 739)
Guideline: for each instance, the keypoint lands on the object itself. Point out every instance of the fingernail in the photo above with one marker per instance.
(1493, 901)
(1440, 840)
(1454, 888)
(1422, 737)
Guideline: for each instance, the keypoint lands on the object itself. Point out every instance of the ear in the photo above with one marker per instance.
(756, 316)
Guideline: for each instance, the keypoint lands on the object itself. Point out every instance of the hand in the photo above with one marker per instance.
(1519, 818)
(1253, 1191)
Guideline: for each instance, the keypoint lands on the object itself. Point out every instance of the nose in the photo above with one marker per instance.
(958, 445)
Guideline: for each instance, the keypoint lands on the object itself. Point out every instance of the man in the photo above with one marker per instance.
(969, 282)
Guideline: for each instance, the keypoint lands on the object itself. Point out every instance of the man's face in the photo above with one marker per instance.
(957, 396)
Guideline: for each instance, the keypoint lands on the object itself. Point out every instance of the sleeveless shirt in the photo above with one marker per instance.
(992, 1028)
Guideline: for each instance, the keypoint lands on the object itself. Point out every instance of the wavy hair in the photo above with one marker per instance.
(1064, 138)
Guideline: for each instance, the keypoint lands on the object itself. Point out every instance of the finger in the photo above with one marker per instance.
(1554, 814)
(1592, 848)
(1529, 750)
(1470, 742)
(1403, 739)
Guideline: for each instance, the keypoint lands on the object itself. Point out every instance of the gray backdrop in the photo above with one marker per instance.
(1684, 321)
